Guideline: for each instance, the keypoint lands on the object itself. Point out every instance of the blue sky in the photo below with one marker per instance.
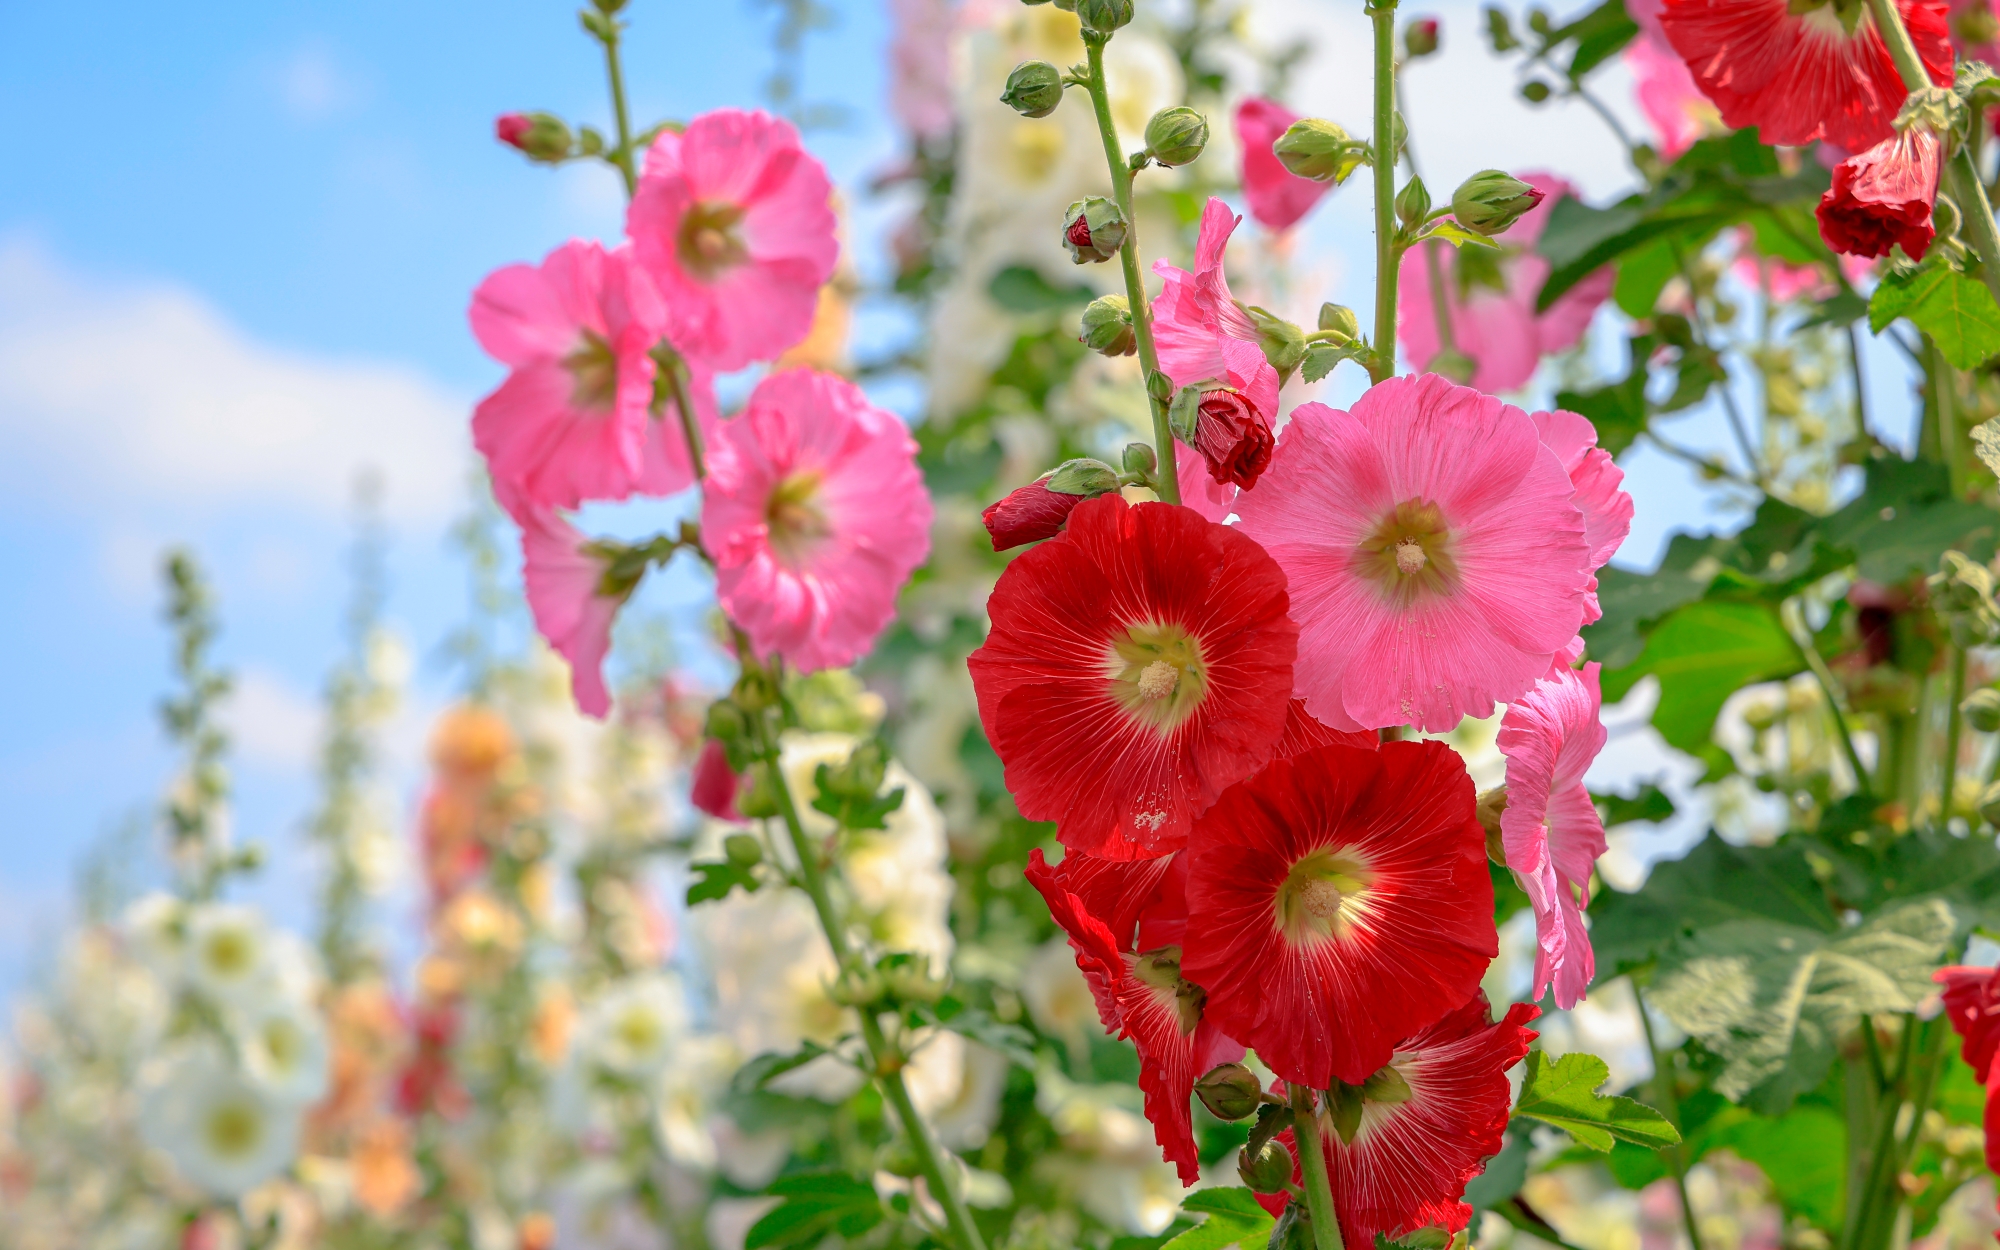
(236, 244)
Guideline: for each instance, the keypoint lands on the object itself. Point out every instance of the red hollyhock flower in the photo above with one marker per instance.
(1338, 902)
(1401, 1145)
(1138, 987)
(1801, 77)
(1972, 1000)
(1233, 437)
(1139, 664)
(1304, 733)
(1028, 515)
(1884, 197)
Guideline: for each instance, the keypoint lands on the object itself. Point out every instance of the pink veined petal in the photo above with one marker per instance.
(561, 580)
(517, 317)
(1199, 489)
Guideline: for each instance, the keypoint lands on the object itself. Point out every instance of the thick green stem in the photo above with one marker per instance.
(1880, 1196)
(1953, 719)
(1382, 364)
(1312, 1161)
(1951, 444)
(1663, 1093)
(1168, 475)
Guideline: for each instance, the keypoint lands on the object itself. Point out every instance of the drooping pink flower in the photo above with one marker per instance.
(1668, 96)
(566, 596)
(1550, 827)
(1492, 300)
(1598, 482)
(1435, 559)
(1277, 196)
(573, 421)
(815, 513)
(1884, 198)
(1200, 490)
(733, 220)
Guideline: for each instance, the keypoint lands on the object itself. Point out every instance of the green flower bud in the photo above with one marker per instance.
(1082, 477)
(1104, 15)
(743, 850)
(1268, 1171)
(1140, 460)
(1534, 91)
(540, 137)
(1284, 344)
(1982, 710)
(1034, 89)
(1176, 136)
(1231, 1092)
(725, 721)
(1093, 229)
(1338, 319)
(1107, 326)
(1185, 413)
(1319, 150)
(757, 796)
(1490, 201)
(1413, 203)
(1159, 387)
(1420, 38)
(1455, 365)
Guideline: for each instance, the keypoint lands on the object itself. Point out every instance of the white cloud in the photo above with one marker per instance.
(148, 394)
(312, 85)
(272, 722)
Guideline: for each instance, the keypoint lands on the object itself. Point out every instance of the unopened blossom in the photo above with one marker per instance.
(1028, 514)
(1339, 902)
(1492, 300)
(1883, 198)
(1803, 76)
(713, 789)
(733, 219)
(1435, 556)
(564, 581)
(1277, 197)
(1123, 754)
(815, 514)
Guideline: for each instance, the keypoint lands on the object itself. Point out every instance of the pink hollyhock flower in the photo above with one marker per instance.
(1205, 339)
(1435, 558)
(1214, 499)
(815, 514)
(1550, 827)
(1492, 300)
(566, 596)
(1668, 96)
(1884, 198)
(733, 220)
(573, 421)
(1277, 196)
(1598, 482)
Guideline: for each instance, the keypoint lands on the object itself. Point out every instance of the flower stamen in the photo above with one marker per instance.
(1158, 680)
(1410, 556)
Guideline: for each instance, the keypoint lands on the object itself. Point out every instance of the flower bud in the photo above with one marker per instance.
(1028, 515)
(1159, 387)
(1488, 810)
(1413, 203)
(1982, 710)
(1268, 1171)
(1989, 804)
(1184, 412)
(725, 721)
(1975, 24)
(1082, 477)
(539, 136)
(1104, 15)
(743, 850)
(1420, 38)
(1490, 201)
(757, 794)
(1338, 319)
(1176, 136)
(1284, 344)
(1455, 365)
(1093, 229)
(1107, 326)
(1033, 89)
(1231, 1092)
(1534, 91)
(1319, 150)
(1140, 460)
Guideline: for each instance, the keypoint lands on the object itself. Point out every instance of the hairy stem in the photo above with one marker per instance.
(1168, 476)
(1312, 1161)
(1793, 619)
(1387, 256)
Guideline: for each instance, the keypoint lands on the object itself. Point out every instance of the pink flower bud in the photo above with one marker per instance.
(1028, 515)
(714, 788)
(512, 129)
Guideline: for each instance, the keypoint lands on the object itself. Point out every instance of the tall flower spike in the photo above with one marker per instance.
(1139, 663)
(1550, 827)
(1339, 902)
(1803, 76)
(816, 514)
(1278, 198)
(1435, 558)
(733, 218)
(566, 597)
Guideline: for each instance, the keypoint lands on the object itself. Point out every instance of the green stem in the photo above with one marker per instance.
(1382, 364)
(1879, 1197)
(1752, 461)
(1663, 1093)
(621, 156)
(888, 1061)
(1953, 719)
(1951, 447)
(1540, 1229)
(1795, 627)
(1312, 1161)
(1168, 475)
(690, 428)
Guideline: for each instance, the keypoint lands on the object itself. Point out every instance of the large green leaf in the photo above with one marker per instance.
(1233, 1218)
(1702, 653)
(1802, 1153)
(1957, 311)
(1774, 1001)
(1715, 883)
(1631, 601)
(1904, 519)
(816, 1204)
(1563, 1093)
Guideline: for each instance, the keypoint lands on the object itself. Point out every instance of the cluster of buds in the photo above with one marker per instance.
(1232, 1092)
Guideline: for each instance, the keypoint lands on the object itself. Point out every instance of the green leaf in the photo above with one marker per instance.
(1563, 1093)
(1642, 275)
(1321, 357)
(1702, 653)
(767, 1067)
(1774, 1002)
(1957, 311)
(1904, 519)
(1234, 1217)
(816, 1204)
(1600, 35)
(1714, 884)
(1505, 1172)
(1022, 289)
(717, 878)
(1802, 1153)
(1651, 803)
(1634, 601)
(1619, 409)
(1839, 309)
(1986, 442)
(1456, 235)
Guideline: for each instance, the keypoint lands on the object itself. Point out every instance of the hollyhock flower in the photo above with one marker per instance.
(1138, 664)
(573, 421)
(224, 1132)
(1338, 902)
(1277, 196)
(1138, 988)
(713, 789)
(1883, 198)
(815, 514)
(1205, 339)
(1972, 1001)
(564, 580)
(1597, 481)
(1200, 489)
(1427, 1123)
(1668, 96)
(1492, 300)
(1303, 733)
(1550, 827)
(1435, 558)
(1800, 77)
(1028, 515)
(733, 219)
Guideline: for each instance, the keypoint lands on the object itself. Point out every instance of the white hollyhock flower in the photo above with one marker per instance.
(228, 953)
(153, 929)
(633, 1029)
(225, 1133)
(284, 1049)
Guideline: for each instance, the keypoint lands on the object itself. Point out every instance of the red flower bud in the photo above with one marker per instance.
(714, 788)
(1234, 438)
(1078, 233)
(1028, 515)
(512, 129)
(1884, 197)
